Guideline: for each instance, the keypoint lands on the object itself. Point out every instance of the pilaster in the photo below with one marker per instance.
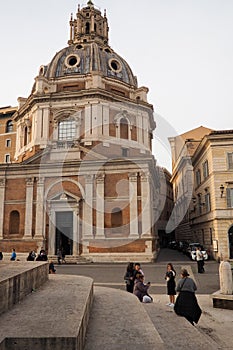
(28, 209)
(146, 205)
(39, 230)
(2, 200)
(88, 208)
(133, 205)
(100, 206)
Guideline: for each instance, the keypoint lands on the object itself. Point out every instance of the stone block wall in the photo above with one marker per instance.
(18, 280)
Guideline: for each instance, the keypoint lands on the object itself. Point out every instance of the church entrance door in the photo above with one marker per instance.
(64, 232)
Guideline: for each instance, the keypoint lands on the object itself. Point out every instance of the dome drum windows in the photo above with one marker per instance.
(67, 130)
(124, 126)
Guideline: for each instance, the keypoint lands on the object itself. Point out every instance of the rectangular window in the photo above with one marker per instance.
(7, 158)
(205, 169)
(230, 197)
(199, 204)
(66, 130)
(198, 177)
(230, 160)
(125, 152)
(207, 202)
(211, 236)
(8, 143)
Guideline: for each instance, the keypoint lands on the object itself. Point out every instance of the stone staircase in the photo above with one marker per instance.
(118, 321)
(67, 313)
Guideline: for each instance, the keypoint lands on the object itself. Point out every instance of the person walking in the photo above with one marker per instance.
(171, 284)
(129, 277)
(13, 255)
(200, 260)
(59, 256)
(186, 304)
(63, 256)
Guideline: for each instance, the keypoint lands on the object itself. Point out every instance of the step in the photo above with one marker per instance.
(53, 317)
(176, 331)
(119, 321)
(70, 259)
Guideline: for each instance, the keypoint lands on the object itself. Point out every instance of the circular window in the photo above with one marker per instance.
(115, 65)
(72, 61)
(79, 47)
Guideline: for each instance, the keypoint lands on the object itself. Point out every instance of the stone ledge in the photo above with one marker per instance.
(222, 301)
(18, 279)
(54, 317)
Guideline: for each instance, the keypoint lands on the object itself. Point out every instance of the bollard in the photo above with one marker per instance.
(225, 276)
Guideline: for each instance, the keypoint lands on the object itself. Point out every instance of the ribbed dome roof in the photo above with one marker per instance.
(82, 59)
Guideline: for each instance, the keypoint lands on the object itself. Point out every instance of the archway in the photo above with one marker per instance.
(230, 237)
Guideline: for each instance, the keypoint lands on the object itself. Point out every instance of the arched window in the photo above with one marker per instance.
(25, 136)
(9, 126)
(14, 222)
(87, 28)
(124, 129)
(66, 130)
(116, 218)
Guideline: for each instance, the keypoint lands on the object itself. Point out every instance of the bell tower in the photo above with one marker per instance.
(88, 26)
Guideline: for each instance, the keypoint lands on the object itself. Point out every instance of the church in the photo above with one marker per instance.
(81, 176)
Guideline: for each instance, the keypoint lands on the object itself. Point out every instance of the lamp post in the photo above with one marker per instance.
(221, 190)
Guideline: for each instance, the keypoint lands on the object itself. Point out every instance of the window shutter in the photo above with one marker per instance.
(230, 160)
(229, 204)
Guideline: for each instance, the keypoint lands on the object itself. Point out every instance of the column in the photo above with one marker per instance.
(133, 202)
(39, 230)
(2, 200)
(88, 208)
(76, 231)
(28, 209)
(146, 204)
(51, 243)
(100, 206)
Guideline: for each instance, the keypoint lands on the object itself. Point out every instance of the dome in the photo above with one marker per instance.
(87, 58)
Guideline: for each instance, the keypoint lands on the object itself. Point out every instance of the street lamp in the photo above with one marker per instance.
(221, 190)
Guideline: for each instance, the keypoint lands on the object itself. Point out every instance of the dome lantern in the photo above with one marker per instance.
(89, 26)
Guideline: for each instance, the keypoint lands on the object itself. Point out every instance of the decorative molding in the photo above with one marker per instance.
(89, 179)
(133, 177)
(2, 182)
(29, 181)
(100, 178)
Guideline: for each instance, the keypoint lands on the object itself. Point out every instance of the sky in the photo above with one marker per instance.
(182, 50)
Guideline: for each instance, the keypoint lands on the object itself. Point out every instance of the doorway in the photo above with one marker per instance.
(64, 232)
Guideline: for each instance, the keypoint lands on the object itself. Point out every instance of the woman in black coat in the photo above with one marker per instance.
(171, 284)
(186, 303)
(129, 277)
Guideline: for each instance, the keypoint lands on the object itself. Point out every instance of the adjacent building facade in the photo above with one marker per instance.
(203, 189)
(82, 176)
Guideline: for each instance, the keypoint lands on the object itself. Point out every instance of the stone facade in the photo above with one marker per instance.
(84, 178)
(203, 188)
